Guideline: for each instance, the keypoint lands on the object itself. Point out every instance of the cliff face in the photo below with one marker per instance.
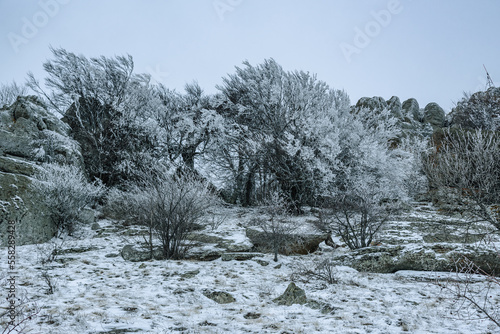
(410, 117)
(29, 134)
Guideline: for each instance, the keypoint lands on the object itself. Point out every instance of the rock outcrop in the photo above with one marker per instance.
(479, 111)
(412, 120)
(427, 257)
(434, 115)
(29, 133)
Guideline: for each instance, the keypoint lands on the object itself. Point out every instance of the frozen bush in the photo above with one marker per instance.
(169, 205)
(66, 192)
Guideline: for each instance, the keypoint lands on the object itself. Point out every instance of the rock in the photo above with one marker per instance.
(431, 257)
(202, 255)
(220, 297)
(33, 223)
(376, 104)
(411, 108)
(292, 295)
(95, 226)
(190, 274)
(28, 130)
(17, 166)
(261, 262)
(131, 253)
(252, 315)
(409, 117)
(479, 111)
(323, 307)
(29, 133)
(297, 244)
(394, 105)
(239, 256)
(227, 244)
(434, 115)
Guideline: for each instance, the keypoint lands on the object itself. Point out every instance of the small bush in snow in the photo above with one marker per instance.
(324, 270)
(66, 192)
(277, 227)
(10, 92)
(169, 206)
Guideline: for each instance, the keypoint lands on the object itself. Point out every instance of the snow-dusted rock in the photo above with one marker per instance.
(292, 295)
(303, 243)
(220, 297)
(134, 254)
(434, 115)
(29, 133)
(19, 205)
(480, 111)
(239, 256)
(28, 130)
(411, 108)
(427, 257)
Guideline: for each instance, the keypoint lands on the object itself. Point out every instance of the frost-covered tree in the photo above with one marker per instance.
(369, 177)
(188, 121)
(108, 108)
(277, 124)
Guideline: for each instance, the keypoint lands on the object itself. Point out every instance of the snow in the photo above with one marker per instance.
(100, 294)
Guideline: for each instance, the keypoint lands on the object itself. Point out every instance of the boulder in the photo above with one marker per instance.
(375, 103)
(29, 133)
(479, 111)
(134, 254)
(428, 257)
(296, 243)
(434, 115)
(411, 109)
(394, 105)
(409, 117)
(28, 130)
(18, 204)
(220, 297)
(292, 295)
(203, 255)
(239, 256)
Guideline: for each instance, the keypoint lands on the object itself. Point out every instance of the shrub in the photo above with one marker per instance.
(169, 206)
(277, 227)
(464, 167)
(10, 92)
(66, 192)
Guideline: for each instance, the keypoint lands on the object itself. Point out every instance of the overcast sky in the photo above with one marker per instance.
(427, 49)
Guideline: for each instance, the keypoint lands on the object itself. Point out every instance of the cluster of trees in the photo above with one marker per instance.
(280, 138)
(267, 131)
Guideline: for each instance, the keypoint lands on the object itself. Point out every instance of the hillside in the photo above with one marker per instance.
(96, 291)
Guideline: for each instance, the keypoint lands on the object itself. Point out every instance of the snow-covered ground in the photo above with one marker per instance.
(96, 291)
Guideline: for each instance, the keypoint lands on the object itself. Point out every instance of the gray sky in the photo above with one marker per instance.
(430, 50)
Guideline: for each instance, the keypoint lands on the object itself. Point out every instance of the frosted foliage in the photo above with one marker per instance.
(10, 92)
(282, 124)
(66, 192)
